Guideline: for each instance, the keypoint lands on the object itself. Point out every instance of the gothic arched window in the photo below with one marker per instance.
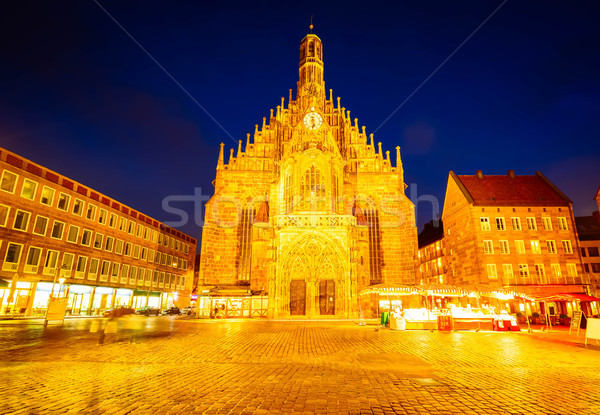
(288, 192)
(313, 186)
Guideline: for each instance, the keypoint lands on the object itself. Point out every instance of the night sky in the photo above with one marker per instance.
(78, 96)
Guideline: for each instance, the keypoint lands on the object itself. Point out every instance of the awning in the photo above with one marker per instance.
(390, 289)
(3, 284)
(571, 297)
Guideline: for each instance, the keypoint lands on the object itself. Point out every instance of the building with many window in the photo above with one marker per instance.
(509, 231)
(310, 210)
(54, 229)
(588, 229)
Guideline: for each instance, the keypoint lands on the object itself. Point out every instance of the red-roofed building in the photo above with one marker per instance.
(512, 231)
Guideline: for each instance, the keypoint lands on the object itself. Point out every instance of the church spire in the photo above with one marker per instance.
(311, 87)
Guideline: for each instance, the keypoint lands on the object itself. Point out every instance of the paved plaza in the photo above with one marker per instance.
(175, 365)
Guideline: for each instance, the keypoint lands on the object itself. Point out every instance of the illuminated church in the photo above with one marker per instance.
(309, 211)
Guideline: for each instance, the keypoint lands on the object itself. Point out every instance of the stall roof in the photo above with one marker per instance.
(570, 297)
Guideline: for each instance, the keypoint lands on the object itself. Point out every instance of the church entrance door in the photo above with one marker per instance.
(298, 297)
(327, 297)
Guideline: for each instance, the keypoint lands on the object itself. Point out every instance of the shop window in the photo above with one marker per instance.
(485, 223)
(4, 211)
(547, 223)
(33, 260)
(91, 212)
(535, 247)
(86, 237)
(73, 234)
(8, 182)
(109, 243)
(531, 224)
(12, 257)
(78, 207)
(500, 224)
(98, 238)
(40, 225)
(28, 189)
(21, 220)
(103, 217)
(551, 245)
(57, 230)
(516, 224)
(567, 247)
(47, 196)
(562, 223)
(63, 201)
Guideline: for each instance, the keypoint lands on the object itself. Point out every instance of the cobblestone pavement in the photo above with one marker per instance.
(176, 365)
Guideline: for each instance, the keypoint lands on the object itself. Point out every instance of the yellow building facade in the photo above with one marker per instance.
(309, 211)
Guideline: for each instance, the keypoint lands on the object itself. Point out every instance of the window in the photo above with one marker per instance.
(531, 224)
(86, 237)
(155, 278)
(51, 261)
(516, 224)
(492, 273)
(164, 259)
(57, 230)
(40, 225)
(187, 249)
(128, 249)
(583, 254)
(313, 187)
(9, 181)
(140, 231)
(81, 263)
(131, 229)
(146, 233)
(555, 270)
(485, 223)
(562, 223)
(4, 210)
(67, 264)
(520, 246)
(586, 267)
(551, 245)
(63, 202)
(98, 241)
(12, 257)
(136, 252)
(144, 254)
(151, 253)
(123, 224)
(535, 247)
(114, 276)
(93, 271)
(507, 270)
(154, 236)
(547, 223)
(104, 270)
(567, 247)
(500, 224)
(28, 189)
(523, 271)
(141, 274)
(504, 249)
(21, 220)
(133, 275)
(488, 247)
(170, 261)
(112, 222)
(185, 263)
(110, 242)
(572, 270)
(91, 212)
(78, 207)
(73, 234)
(47, 196)
(119, 247)
(540, 273)
(102, 217)
(593, 250)
(596, 267)
(124, 274)
(33, 260)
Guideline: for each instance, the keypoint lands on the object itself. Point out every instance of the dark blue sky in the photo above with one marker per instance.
(79, 96)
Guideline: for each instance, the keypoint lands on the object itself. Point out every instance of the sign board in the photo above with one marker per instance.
(444, 323)
(593, 329)
(575, 321)
(56, 309)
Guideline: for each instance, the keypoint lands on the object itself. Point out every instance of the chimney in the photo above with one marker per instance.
(479, 174)
(511, 174)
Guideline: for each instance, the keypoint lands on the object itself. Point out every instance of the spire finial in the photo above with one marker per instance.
(311, 24)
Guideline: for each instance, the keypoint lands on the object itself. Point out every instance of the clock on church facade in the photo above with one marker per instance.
(309, 212)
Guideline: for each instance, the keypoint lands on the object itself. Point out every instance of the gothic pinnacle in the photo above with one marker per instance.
(239, 148)
(220, 162)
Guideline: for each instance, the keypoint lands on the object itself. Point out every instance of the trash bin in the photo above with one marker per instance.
(385, 318)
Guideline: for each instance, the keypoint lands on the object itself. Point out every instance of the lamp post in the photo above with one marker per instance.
(51, 297)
